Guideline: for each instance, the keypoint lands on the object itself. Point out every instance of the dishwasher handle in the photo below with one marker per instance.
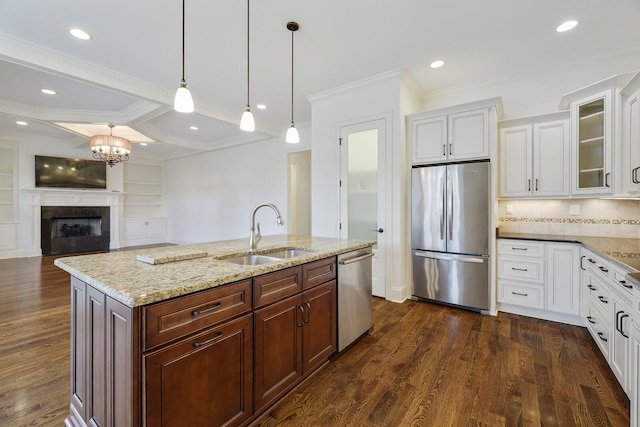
(355, 259)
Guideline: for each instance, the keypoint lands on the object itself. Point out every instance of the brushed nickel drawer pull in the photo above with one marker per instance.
(216, 306)
(601, 335)
(301, 316)
(519, 269)
(520, 294)
(603, 299)
(308, 312)
(200, 344)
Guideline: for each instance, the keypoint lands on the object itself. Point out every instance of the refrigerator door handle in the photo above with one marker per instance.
(449, 257)
(450, 207)
(442, 211)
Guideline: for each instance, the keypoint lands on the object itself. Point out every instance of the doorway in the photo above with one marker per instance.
(363, 190)
(299, 173)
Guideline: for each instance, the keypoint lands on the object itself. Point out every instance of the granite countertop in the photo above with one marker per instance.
(625, 252)
(183, 269)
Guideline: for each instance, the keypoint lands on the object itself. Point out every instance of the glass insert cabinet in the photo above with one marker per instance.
(591, 133)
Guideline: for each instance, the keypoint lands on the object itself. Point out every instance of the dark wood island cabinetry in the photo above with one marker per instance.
(216, 357)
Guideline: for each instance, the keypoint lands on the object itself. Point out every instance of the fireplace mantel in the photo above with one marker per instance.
(34, 198)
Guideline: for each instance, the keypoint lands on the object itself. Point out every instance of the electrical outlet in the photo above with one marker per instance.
(574, 209)
(509, 209)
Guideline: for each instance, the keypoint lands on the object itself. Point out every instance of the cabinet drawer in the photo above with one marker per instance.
(531, 270)
(598, 266)
(521, 248)
(599, 328)
(169, 320)
(275, 286)
(318, 272)
(600, 296)
(620, 282)
(520, 294)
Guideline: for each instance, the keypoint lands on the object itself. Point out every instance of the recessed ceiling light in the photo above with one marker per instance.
(194, 128)
(21, 123)
(566, 26)
(437, 64)
(79, 34)
(48, 91)
(261, 106)
(144, 144)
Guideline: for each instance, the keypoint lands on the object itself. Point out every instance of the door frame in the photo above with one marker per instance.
(387, 157)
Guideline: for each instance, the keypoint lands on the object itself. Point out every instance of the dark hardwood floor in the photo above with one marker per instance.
(425, 365)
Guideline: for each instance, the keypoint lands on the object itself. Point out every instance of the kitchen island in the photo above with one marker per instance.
(180, 335)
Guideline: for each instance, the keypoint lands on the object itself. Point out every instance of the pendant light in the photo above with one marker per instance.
(292, 136)
(183, 101)
(246, 122)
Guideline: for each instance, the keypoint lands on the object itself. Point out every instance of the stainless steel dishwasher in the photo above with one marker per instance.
(355, 313)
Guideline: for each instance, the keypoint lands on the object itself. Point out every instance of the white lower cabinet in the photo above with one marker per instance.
(145, 231)
(539, 279)
(608, 309)
(634, 372)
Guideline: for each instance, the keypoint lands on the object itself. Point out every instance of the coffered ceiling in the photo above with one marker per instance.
(128, 72)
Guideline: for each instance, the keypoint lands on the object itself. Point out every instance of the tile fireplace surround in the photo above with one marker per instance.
(34, 199)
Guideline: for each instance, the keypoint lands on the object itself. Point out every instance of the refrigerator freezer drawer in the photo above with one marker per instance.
(453, 279)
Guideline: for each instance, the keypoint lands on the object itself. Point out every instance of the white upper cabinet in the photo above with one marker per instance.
(448, 137)
(630, 154)
(534, 159)
(591, 130)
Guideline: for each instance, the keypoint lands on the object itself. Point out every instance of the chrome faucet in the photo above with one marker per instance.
(254, 237)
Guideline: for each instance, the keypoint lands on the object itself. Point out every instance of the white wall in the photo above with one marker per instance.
(211, 196)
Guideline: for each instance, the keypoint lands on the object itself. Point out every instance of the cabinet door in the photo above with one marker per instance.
(156, 227)
(205, 380)
(428, 140)
(78, 348)
(591, 121)
(551, 160)
(630, 145)
(135, 229)
(515, 161)
(563, 278)
(468, 135)
(635, 375)
(320, 328)
(618, 357)
(278, 349)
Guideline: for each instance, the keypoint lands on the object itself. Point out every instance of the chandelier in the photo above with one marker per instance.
(110, 149)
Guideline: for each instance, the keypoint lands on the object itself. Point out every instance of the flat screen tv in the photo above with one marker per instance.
(61, 172)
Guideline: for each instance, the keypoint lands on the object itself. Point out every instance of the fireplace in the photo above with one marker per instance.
(74, 229)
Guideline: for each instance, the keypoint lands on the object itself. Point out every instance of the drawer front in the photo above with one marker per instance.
(600, 296)
(599, 328)
(169, 320)
(598, 266)
(620, 282)
(275, 286)
(531, 270)
(520, 294)
(318, 272)
(521, 248)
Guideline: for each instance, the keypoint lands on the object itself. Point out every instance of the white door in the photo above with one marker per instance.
(362, 191)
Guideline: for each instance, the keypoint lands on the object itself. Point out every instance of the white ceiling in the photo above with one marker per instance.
(128, 73)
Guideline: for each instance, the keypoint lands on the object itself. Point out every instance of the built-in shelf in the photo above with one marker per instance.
(598, 114)
(591, 170)
(142, 191)
(597, 139)
(8, 180)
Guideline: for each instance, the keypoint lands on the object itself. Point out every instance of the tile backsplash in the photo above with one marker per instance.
(597, 217)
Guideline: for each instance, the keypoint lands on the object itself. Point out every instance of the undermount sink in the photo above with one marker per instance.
(266, 257)
(287, 253)
(251, 259)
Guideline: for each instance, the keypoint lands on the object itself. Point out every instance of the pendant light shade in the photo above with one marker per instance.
(183, 102)
(292, 136)
(110, 149)
(246, 121)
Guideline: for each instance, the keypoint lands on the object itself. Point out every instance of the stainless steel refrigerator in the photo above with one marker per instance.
(450, 233)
